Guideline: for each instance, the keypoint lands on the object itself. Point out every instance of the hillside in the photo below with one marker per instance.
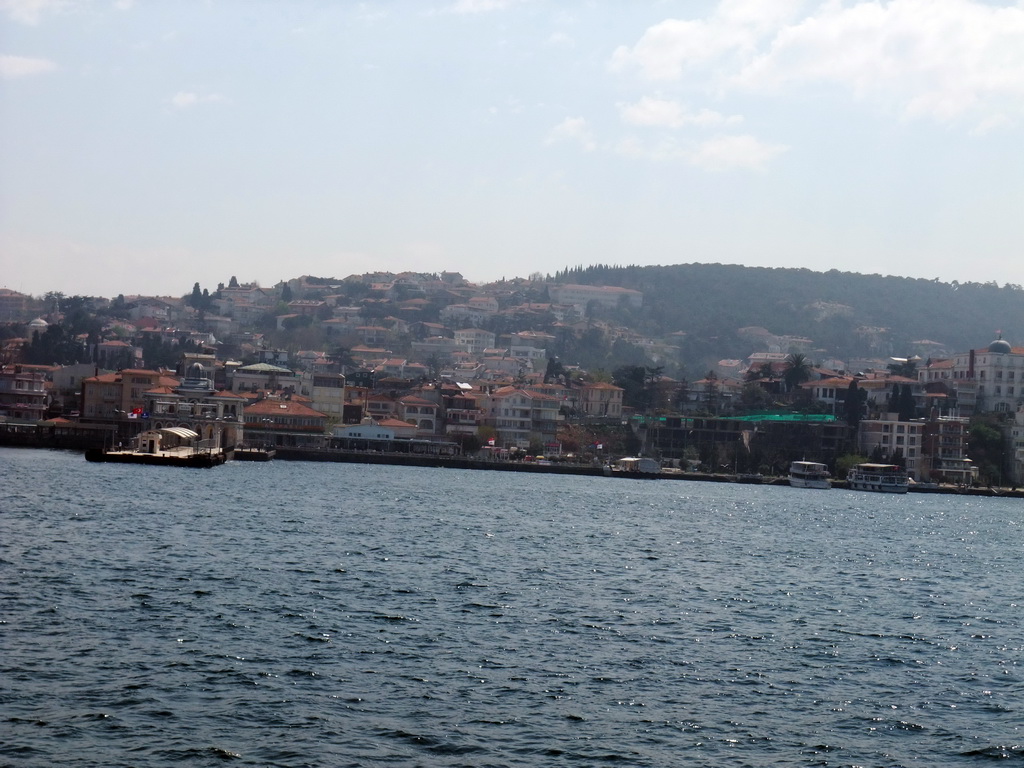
(846, 315)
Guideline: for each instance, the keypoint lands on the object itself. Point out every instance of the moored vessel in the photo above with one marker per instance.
(809, 474)
(882, 478)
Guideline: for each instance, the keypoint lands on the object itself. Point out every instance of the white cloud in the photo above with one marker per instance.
(720, 153)
(31, 11)
(938, 59)
(573, 129)
(665, 113)
(675, 46)
(22, 66)
(481, 6)
(734, 152)
(186, 99)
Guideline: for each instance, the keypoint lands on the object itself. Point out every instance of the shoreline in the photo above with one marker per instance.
(555, 468)
(461, 462)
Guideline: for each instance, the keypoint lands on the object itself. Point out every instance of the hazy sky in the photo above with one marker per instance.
(148, 145)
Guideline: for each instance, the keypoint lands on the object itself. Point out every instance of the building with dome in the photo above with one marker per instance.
(988, 379)
(215, 415)
(37, 327)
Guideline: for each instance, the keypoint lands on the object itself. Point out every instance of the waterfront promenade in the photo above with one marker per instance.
(82, 437)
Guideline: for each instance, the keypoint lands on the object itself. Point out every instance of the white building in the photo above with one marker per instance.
(326, 392)
(474, 340)
(605, 295)
(892, 436)
(519, 415)
(264, 376)
(456, 315)
(989, 379)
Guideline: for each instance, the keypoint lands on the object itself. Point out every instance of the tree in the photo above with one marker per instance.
(55, 346)
(633, 380)
(297, 321)
(342, 356)
(53, 300)
(987, 449)
(763, 371)
(468, 444)
(848, 461)
(753, 397)
(119, 308)
(798, 370)
(856, 398)
(286, 293)
(554, 370)
(652, 375)
(711, 391)
(233, 282)
(905, 404)
(435, 363)
(892, 402)
(682, 395)
(486, 433)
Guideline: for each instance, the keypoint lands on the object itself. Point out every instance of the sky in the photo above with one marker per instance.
(149, 145)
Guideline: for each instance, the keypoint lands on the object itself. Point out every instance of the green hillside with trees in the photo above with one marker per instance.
(847, 315)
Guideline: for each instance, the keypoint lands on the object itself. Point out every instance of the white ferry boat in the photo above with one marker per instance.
(885, 478)
(809, 474)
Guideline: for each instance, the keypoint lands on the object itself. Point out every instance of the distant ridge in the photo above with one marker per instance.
(845, 314)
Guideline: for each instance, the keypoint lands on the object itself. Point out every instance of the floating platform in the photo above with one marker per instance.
(172, 458)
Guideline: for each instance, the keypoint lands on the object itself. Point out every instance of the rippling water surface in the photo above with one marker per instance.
(293, 614)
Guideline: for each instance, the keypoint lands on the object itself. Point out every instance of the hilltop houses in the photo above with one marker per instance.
(517, 364)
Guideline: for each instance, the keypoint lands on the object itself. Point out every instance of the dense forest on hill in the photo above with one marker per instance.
(847, 315)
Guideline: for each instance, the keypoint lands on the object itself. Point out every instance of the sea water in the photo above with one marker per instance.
(299, 614)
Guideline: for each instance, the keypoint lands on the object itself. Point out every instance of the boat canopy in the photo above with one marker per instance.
(182, 432)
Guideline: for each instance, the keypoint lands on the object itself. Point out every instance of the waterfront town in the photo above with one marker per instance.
(432, 364)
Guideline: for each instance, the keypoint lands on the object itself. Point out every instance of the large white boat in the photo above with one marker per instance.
(885, 478)
(809, 474)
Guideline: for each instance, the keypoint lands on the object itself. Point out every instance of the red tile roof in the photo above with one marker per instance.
(278, 407)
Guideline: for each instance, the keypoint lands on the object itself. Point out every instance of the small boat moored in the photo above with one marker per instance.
(809, 474)
(882, 478)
